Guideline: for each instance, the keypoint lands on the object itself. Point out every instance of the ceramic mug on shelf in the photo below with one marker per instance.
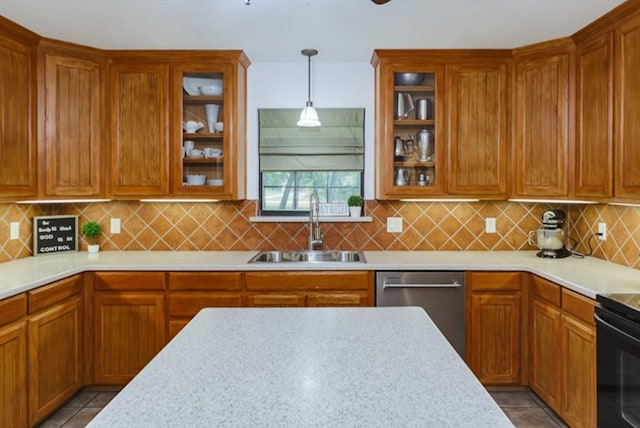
(219, 126)
(196, 153)
(210, 152)
(188, 146)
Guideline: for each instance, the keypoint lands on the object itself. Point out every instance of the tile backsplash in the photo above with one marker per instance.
(426, 226)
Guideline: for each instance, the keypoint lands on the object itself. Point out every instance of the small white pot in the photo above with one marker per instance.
(93, 248)
(355, 211)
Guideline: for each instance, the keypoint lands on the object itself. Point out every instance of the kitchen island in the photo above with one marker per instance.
(301, 367)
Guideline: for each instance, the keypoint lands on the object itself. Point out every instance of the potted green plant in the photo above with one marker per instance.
(91, 231)
(355, 203)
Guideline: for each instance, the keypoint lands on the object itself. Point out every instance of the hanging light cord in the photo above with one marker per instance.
(309, 80)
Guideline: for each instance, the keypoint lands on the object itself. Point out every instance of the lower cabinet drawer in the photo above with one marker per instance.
(189, 304)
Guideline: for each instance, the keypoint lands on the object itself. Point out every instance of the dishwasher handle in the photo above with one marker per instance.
(454, 284)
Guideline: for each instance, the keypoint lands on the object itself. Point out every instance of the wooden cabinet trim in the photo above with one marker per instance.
(578, 306)
(276, 300)
(13, 308)
(129, 281)
(48, 295)
(205, 281)
(336, 299)
(546, 290)
(495, 281)
(317, 280)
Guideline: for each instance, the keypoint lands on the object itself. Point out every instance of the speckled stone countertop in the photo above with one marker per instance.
(305, 367)
(587, 276)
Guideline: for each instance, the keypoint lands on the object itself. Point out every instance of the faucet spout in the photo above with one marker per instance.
(315, 236)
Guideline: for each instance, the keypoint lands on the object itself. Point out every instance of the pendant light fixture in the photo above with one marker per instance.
(309, 115)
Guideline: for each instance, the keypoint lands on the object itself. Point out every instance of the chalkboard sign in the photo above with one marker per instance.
(55, 234)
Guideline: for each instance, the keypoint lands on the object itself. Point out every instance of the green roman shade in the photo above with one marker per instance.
(337, 145)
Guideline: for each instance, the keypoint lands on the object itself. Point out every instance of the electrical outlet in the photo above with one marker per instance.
(602, 231)
(15, 230)
(490, 225)
(394, 224)
(115, 226)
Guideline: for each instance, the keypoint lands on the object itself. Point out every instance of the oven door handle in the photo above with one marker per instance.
(617, 331)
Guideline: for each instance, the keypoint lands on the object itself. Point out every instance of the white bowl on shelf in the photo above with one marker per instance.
(215, 182)
(210, 90)
(196, 179)
(192, 84)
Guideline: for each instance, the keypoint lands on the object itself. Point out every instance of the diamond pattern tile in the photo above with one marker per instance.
(427, 226)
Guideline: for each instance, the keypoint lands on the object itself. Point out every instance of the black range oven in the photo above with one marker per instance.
(618, 360)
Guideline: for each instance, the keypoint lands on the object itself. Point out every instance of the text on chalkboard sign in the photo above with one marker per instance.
(55, 234)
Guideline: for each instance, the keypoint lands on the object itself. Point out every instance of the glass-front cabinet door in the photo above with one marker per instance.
(210, 131)
(409, 131)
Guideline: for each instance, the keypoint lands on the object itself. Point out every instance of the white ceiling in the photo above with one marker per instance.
(276, 30)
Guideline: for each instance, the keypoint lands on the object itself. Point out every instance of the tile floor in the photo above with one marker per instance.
(524, 409)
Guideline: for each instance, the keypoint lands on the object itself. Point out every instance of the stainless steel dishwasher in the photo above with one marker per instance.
(440, 293)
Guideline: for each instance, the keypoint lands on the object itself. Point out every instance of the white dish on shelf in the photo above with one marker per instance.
(215, 182)
(191, 84)
(196, 179)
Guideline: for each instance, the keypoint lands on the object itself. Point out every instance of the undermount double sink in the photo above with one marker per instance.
(309, 257)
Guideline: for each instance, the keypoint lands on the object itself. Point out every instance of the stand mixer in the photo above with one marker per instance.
(550, 237)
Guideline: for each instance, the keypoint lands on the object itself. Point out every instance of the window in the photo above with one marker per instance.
(296, 161)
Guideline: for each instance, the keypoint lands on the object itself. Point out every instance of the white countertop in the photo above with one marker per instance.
(588, 276)
(303, 367)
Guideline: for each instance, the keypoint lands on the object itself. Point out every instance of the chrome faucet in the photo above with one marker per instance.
(315, 236)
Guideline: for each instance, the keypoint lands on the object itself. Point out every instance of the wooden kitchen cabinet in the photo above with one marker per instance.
(18, 96)
(226, 174)
(627, 107)
(478, 109)
(13, 362)
(189, 292)
(129, 323)
(543, 147)
(138, 88)
(56, 345)
(594, 116)
(399, 166)
(563, 365)
(311, 288)
(578, 349)
(73, 122)
(546, 370)
(494, 326)
(468, 99)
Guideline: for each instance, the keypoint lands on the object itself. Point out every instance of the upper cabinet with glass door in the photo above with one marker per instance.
(409, 126)
(210, 126)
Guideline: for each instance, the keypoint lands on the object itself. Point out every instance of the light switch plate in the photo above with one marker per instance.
(115, 226)
(394, 224)
(15, 230)
(490, 225)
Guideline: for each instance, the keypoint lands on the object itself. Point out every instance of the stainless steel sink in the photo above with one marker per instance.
(309, 257)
